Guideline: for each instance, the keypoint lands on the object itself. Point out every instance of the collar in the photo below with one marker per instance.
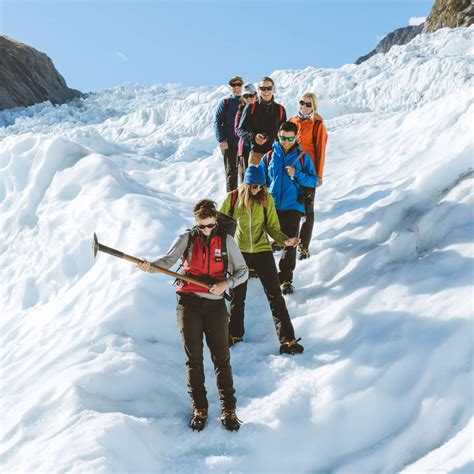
(279, 149)
(266, 103)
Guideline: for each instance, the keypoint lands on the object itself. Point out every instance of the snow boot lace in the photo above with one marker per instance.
(198, 419)
(303, 253)
(229, 420)
(291, 347)
(287, 288)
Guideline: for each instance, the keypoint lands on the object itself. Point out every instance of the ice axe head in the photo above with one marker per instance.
(95, 245)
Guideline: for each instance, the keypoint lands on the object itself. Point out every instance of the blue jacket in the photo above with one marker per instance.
(283, 189)
(224, 120)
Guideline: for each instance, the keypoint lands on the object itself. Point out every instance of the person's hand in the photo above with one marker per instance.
(218, 288)
(320, 182)
(260, 139)
(223, 145)
(290, 171)
(145, 265)
(292, 242)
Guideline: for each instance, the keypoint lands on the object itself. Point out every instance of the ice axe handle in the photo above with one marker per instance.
(111, 251)
(98, 247)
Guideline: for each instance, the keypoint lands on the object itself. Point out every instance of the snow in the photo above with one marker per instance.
(92, 368)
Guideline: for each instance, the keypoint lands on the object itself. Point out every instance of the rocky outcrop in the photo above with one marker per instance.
(449, 13)
(400, 36)
(445, 13)
(28, 77)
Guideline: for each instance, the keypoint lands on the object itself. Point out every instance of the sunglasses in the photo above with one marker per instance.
(265, 88)
(236, 84)
(307, 104)
(206, 226)
(256, 186)
(249, 96)
(289, 139)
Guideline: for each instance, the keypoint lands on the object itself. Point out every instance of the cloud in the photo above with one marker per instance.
(416, 20)
(120, 56)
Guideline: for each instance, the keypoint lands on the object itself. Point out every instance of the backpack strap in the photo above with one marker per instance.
(268, 157)
(192, 233)
(281, 112)
(316, 125)
(301, 158)
(225, 257)
(233, 200)
(252, 109)
(226, 104)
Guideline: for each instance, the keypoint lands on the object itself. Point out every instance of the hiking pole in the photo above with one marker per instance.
(98, 247)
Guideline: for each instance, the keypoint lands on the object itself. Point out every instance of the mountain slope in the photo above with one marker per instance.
(92, 367)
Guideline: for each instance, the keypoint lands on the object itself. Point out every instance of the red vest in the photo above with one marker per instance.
(205, 261)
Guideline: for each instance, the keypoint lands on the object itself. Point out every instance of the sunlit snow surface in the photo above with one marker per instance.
(92, 367)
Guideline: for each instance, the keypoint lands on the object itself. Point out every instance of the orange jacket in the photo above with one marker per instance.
(312, 137)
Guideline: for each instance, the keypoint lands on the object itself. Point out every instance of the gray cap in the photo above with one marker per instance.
(249, 88)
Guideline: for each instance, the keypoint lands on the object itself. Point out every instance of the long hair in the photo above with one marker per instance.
(246, 197)
(314, 102)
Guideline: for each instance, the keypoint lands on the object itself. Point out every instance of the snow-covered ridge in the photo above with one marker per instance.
(91, 362)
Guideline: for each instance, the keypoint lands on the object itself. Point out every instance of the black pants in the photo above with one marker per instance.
(290, 225)
(243, 163)
(197, 317)
(230, 165)
(264, 265)
(306, 231)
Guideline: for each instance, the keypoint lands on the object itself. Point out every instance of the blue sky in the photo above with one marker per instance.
(99, 44)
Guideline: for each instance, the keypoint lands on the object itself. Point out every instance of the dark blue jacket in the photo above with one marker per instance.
(283, 189)
(224, 120)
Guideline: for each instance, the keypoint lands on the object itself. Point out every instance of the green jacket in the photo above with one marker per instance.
(251, 234)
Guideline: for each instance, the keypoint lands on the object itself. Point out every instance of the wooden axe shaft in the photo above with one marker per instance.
(117, 253)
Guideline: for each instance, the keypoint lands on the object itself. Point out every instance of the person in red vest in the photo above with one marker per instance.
(213, 257)
(312, 137)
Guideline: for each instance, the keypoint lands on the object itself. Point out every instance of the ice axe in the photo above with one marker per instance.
(98, 247)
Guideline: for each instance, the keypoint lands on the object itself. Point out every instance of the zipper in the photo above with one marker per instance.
(208, 251)
(282, 179)
(250, 228)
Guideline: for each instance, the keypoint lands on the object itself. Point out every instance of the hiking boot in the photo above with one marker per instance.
(229, 420)
(303, 253)
(198, 420)
(291, 347)
(287, 288)
(234, 340)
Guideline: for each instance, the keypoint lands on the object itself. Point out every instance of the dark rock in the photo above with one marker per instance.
(28, 77)
(445, 13)
(399, 36)
(449, 13)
